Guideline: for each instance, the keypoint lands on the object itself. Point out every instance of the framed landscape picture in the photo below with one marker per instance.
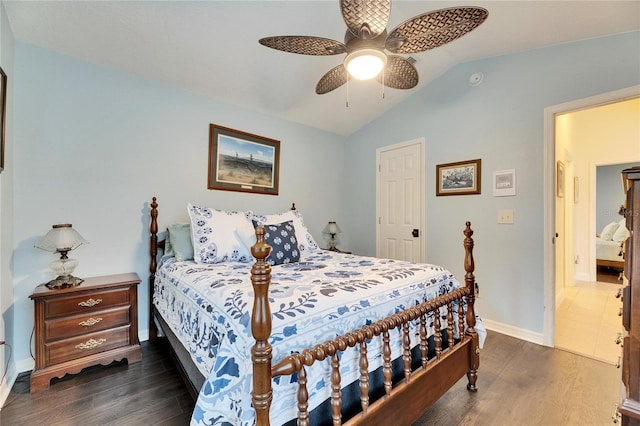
(240, 161)
(461, 178)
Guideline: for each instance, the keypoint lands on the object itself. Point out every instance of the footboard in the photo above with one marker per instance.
(402, 402)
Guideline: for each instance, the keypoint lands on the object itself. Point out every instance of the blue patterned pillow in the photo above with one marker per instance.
(213, 233)
(284, 245)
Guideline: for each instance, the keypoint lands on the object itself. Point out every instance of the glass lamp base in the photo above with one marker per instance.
(64, 281)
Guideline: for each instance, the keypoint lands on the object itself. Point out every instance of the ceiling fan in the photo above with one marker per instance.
(367, 38)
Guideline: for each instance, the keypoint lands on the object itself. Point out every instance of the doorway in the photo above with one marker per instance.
(578, 203)
(400, 204)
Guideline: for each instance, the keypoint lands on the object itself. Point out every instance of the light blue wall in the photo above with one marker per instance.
(609, 193)
(501, 122)
(6, 211)
(94, 145)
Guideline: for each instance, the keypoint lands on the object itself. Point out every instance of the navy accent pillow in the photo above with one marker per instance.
(282, 239)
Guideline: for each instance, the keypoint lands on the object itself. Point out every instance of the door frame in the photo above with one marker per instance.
(549, 316)
(423, 218)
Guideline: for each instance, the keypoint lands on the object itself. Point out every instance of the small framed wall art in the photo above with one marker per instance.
(461, 178)
(243, 162)
(504, 183)
(560, 179)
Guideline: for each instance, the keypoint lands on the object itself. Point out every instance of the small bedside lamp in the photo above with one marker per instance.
(332, 230)
(62, 239)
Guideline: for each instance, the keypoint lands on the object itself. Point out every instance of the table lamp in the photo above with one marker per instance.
(332, 230)
(62, 239)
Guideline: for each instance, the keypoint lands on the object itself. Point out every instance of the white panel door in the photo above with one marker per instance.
(400, 192)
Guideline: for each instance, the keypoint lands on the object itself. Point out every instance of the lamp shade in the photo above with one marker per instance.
(61, 238)
(331, 228)
(365, 64)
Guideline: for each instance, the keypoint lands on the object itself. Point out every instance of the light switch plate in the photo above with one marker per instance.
(505, 216)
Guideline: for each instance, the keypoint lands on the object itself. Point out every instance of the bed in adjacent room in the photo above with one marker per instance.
(610, 245)
(269, 328)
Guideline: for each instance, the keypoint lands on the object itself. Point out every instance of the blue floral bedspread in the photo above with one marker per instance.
(328, 294)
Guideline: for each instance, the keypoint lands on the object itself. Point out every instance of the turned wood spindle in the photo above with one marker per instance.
(438, 336)
(303, 398)
(406, 351)
(364, 377)
(450, 324)
(424, 343)
(336, 392)
(386, 362)
(261, 329)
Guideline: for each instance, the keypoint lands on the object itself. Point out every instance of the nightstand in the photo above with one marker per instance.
(93, 323)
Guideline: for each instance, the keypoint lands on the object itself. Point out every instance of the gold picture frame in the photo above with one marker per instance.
(461, 178)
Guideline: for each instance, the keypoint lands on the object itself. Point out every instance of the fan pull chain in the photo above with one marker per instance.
(383, 82)
(347, 92)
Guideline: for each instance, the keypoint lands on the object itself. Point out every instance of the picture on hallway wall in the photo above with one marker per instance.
(560, 179)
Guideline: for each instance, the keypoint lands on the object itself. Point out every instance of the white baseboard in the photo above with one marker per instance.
(582, 276)
(6, 386)
(509, 330)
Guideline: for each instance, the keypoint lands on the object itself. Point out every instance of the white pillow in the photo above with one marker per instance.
(609, 230)
(306, 243)
(213, 233)
(622, 233)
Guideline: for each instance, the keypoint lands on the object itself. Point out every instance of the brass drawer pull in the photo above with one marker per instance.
(90, 322)
(89, 303)
(90, 344)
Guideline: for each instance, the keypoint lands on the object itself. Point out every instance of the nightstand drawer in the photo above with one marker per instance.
(84, 303)
(88, 344)
(83, 324)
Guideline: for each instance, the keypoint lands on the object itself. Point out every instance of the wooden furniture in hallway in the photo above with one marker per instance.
(629, 406)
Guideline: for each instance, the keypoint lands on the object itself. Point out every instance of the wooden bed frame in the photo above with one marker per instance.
(403, 402)
(610, 263)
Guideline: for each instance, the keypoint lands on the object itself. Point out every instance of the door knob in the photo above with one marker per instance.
(415, 233)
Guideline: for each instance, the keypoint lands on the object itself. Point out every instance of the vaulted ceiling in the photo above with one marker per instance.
(211, 47)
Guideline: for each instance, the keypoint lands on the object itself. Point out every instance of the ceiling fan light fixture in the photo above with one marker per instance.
(365, 64)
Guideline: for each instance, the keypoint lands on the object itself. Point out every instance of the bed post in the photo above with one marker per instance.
(261, 330)
(470, 282)
(153, 245)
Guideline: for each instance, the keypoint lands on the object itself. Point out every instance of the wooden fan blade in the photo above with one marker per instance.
(333, 79)
(304, 45)
(399, 73)
(366, 18)
(436, 28)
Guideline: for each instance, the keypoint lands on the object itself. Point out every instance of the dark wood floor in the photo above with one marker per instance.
(520, 383)
(150, 392)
